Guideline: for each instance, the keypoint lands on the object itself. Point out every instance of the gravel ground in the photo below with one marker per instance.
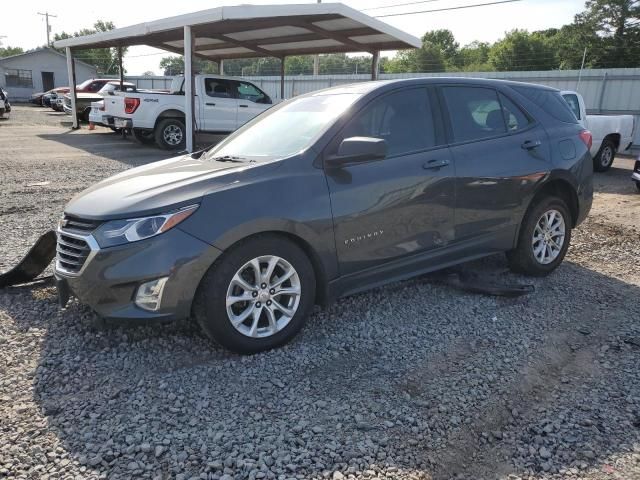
(412, 381)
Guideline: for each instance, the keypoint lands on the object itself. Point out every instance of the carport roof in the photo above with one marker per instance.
(259, 31)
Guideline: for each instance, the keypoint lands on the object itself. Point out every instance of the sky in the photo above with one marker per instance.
(23, 27)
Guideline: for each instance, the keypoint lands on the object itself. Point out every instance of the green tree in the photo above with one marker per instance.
(9, 51)
(428, 58)
(521, 50)
(444, 41)
(104, 59)
(474, 57)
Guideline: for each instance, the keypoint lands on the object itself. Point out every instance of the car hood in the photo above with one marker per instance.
(159, 187)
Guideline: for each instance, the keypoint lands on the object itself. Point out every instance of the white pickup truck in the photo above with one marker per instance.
(611, 133)
(222, 104)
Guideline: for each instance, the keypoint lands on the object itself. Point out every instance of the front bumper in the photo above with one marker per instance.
(109, 279)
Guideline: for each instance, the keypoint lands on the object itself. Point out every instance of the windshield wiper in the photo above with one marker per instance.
(228, 158)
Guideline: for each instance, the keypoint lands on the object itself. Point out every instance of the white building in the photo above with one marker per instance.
(38, 71)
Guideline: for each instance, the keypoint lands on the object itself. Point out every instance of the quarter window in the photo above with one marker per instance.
(19, 78)
(404, 119)
(475, 113)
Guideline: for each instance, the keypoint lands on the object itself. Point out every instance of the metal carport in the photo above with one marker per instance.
(248, 31)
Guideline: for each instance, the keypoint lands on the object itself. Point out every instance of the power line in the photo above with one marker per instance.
(399, 5)
(447, 9)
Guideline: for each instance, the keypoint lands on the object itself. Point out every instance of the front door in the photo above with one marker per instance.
(219, 106)
(251, 101)
(500, 155)
(404, 204)
(47, 81)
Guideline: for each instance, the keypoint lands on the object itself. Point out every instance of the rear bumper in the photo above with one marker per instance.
(120, 122)
(110, 278)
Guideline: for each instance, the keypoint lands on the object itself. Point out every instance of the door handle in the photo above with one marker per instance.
(210, 104)
(244, 106)
(435, 163)
(531, 144)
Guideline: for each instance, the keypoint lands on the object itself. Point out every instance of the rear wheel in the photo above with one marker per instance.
(146, 137)
(544, 238)
(605, 156)
(170, 134)
(638, 185)
(257, 296)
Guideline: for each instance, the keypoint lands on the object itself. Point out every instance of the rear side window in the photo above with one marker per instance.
(574, 105)
(475, 113)
(514, 117)
(404, 119)
(550, 101)
(248, 91)
(214, 87)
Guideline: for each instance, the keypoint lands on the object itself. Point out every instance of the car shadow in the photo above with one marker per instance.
(461, 390)
(113, 145)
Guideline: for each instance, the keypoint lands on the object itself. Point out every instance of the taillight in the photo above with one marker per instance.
(132, 104)
(587, 138)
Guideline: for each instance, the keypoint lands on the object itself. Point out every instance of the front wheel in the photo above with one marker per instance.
(605, 156)
(544, 238)
(257, 296)
(170, 134)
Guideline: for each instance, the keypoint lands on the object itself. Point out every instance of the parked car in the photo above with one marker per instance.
(84, 100)
(5, 106)
(223, 104)
(636, 174)
(328, 194)
(611, 133)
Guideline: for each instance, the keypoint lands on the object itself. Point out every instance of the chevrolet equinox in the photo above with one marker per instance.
(331, 193)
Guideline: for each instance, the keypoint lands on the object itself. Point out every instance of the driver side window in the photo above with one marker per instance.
(404, 119)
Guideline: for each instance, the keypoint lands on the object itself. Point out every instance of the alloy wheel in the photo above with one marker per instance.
(172, 134)
(548, 237)
(263, 296)
(606, 157)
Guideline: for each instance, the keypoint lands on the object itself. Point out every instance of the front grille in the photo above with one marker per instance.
(71, 253)
(79, 225)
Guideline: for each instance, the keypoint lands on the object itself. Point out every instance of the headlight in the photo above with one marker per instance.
(118, 232)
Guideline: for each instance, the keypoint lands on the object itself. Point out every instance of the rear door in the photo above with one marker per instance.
(219, 106)
(251, 101)
(404, 204)
(500, 154)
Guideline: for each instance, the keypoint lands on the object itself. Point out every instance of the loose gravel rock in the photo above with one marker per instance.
(413, 381)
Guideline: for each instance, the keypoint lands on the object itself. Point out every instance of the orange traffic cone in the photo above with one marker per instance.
(92, 126)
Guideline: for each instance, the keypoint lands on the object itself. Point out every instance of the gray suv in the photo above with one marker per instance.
(328, 194)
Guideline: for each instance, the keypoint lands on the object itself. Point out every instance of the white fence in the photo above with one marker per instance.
(609, 91)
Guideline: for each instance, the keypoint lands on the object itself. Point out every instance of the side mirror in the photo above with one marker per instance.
(358, 149)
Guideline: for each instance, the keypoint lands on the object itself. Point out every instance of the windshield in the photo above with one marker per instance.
(286, 129)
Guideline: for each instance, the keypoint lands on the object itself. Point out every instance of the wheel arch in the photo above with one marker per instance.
(615, 138)
(319, 269)
(562, 188)
(170, 113)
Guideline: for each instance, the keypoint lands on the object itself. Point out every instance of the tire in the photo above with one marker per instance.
(1, 112)
(210, 303)
(638, 185)
(170, 134)
(523, 259)
(145, 137)
(605, 156)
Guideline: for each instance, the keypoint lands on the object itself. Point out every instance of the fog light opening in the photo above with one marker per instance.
(149, 295)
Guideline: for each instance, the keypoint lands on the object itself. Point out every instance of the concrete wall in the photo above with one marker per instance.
(37, 62)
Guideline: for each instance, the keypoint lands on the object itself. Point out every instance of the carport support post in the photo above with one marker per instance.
(375, 65)
(282, 59)
(71, 73)
(188, 87)
(120, 69)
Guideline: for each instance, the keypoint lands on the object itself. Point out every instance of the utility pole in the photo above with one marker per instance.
(46, 16)
(584, 57)
(316, 59)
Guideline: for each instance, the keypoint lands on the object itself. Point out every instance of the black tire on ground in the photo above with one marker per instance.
(170, 134)
(146, 137)
(638, 185)
(522, 259)
(209, 307)
(1, 112)
(605, 156)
